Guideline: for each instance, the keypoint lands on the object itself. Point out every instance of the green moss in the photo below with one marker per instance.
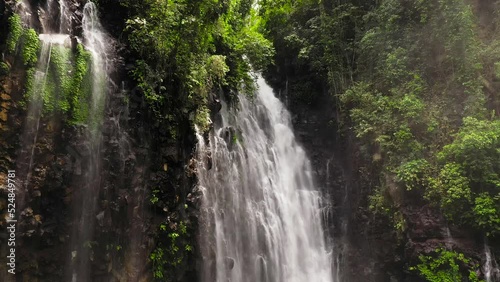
(60, 70)
(67, 85)
(29, 84)
(30, 78)
(49, 94)
(80, 86)
(31, 46)
(56, 83)
(4, 69)
(82, 61)
(15, 32)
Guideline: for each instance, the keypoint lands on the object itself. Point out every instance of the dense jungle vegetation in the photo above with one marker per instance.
(415, 82)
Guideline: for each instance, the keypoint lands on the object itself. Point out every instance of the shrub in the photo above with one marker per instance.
(445, 266)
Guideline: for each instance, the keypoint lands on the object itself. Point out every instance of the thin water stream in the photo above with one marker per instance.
(96, 42)
(32, 123)
(491, 269)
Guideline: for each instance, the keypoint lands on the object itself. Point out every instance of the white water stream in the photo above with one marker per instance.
(48, 41)
(261, 214)
(96, 42)
(491, 270)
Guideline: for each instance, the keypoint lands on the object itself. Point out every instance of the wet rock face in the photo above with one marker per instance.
(42, 218)
(137, 158)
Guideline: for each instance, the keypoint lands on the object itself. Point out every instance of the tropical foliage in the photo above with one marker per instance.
(415, 82)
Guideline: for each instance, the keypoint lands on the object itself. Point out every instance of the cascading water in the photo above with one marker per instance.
(261, 217)
(54, 19)
(491, 270)
(48, 41)
(64, 17)
(32, 124)
(23, 8)
(449, 240)
(337, 259)
(96, 42)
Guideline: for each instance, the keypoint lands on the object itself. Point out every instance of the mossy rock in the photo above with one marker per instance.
(31, 47)
(4, 69)
(15, 32)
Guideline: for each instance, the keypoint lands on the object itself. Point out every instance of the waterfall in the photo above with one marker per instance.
(338, 242)
(338, 247)
(32, 123)
(55, 17)
(96, 42)
(491, 270)
(47, 98)
(261, 215)
(64, 17)
(48, 41)
(449, 240)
